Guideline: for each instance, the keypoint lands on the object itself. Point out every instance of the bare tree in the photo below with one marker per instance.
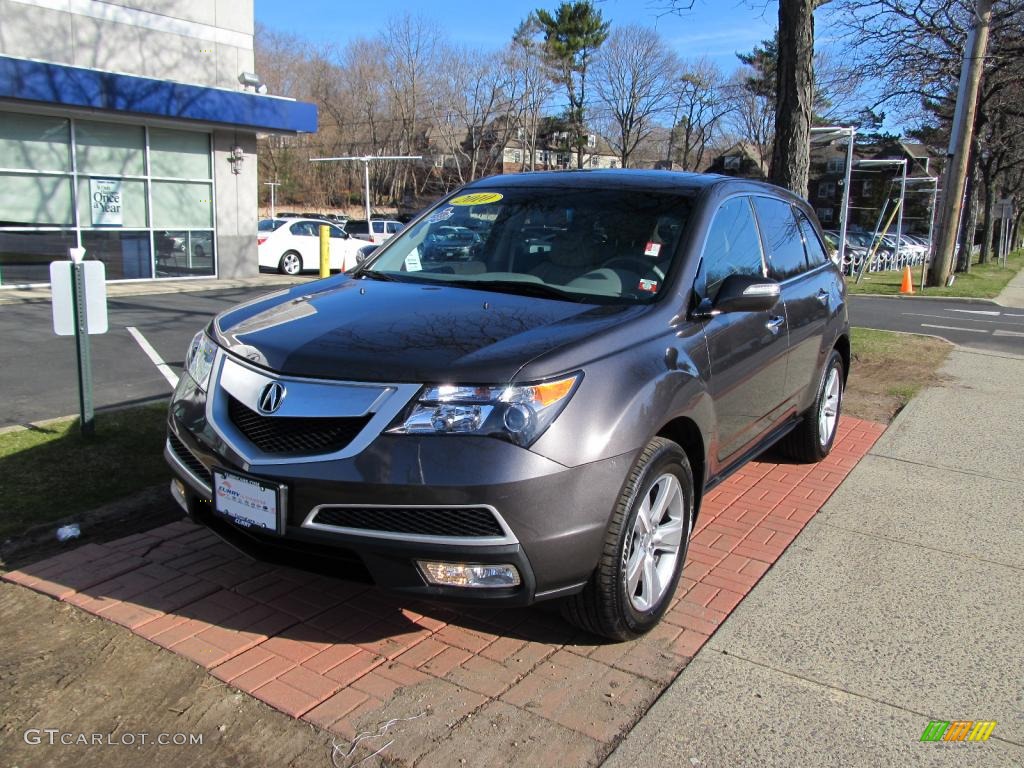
(699, 105)
(530, 88)
(633, 82)
(469, 95)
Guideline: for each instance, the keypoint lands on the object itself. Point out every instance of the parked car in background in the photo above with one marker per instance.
(853, 255)
(448, 243)
(381, 231)
(292, 246)
(539, 422)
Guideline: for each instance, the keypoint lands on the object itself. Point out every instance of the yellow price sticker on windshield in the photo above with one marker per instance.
(476, 198)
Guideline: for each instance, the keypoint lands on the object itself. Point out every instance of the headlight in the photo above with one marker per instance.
(517, 413)
(199, 359)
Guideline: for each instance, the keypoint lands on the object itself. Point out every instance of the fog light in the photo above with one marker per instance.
(467, 575)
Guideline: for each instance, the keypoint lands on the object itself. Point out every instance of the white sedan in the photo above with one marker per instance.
(293, 245)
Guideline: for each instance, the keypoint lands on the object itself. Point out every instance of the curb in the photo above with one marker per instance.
(41, 293)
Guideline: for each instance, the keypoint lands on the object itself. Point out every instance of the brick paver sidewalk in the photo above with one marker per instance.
(458, 683)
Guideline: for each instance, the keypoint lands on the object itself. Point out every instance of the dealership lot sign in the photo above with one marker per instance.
(106, 201)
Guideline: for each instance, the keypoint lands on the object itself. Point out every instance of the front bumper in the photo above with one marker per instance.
(553, 517)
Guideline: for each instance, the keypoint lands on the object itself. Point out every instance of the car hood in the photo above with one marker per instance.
(367, 330)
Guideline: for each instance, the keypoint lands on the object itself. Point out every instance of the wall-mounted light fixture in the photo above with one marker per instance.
(252, 80)
(235, 157)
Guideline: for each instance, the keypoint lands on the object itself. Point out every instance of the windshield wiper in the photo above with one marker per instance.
(521, 288)
(374, 275)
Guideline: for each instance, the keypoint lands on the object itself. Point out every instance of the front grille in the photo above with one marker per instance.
(288, 434)
(470, 522)
(189, 459)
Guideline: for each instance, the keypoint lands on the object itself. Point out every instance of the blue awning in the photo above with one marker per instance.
(81, 87)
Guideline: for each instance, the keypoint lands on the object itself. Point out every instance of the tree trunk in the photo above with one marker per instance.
(795, 87)
(988, 222)
(968, 226)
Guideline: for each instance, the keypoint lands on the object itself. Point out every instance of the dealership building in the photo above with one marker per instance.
(128, 127)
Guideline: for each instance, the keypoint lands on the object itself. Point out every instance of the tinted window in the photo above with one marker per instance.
(393, 227)
(781, 237)
(269, 225)
(302, 228)
(335, 232)
(816, 255)
(356, 227)
(732, 247)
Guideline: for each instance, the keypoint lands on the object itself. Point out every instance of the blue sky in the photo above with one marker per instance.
(717, 29)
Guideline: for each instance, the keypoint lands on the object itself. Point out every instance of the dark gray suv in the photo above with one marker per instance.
(536, 417)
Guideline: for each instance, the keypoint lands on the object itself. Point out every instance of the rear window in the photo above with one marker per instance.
(269, 225)
(356, 227)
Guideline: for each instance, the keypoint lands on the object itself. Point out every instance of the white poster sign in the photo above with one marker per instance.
(106, 200)
(95, 297)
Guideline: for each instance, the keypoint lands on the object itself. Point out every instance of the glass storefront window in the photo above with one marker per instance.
(132, 202)
(182, 204)
(35, 201)
(110, 148)
(138, 199)
(126, 253)
(183, 253)
(34, 142)
(179, 154)
(25, 256)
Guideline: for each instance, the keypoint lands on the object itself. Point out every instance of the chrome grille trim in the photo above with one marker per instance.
(479, 541)
(306, 397)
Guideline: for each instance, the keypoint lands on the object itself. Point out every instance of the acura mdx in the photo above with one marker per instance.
(536, 416)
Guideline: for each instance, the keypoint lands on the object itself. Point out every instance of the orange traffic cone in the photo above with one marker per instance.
(908, 283)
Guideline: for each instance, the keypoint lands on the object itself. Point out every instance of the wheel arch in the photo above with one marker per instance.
(684, 432)
(842, 346)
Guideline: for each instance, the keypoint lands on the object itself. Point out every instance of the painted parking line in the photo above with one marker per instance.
(954, 328)
(152, 354)
(975, 311)
(999, 332)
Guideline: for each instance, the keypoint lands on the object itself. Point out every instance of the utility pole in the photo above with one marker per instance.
(365, 160)
(960, 142)
(273, 185)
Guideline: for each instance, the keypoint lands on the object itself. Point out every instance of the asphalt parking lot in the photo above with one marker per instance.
(39, 379)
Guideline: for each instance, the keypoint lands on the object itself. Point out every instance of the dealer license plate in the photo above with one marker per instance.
(247, 501)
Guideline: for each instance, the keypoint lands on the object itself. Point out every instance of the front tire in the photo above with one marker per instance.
(645, 548)
(812, 440)
(290, 264)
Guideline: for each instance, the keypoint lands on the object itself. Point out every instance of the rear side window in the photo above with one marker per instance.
(732, 247)
(302, 228)
(816, 255)
(782, 238)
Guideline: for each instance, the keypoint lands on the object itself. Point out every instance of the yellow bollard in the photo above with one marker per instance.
(325, 251)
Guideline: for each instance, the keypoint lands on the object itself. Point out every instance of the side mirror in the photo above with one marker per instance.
(747, 293)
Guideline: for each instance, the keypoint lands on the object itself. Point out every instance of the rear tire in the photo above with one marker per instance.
(812, 440)
(290, 263)
(645, 548)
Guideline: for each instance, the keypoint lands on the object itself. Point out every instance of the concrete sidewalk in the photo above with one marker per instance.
(1013, 294)
(900, 603)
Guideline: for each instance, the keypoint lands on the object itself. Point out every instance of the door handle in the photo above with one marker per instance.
(774, 324)
(823, 296)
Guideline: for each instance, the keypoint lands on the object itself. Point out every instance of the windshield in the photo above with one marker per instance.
(588, 245)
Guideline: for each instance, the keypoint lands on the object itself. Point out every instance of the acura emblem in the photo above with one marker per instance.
(272, 396)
